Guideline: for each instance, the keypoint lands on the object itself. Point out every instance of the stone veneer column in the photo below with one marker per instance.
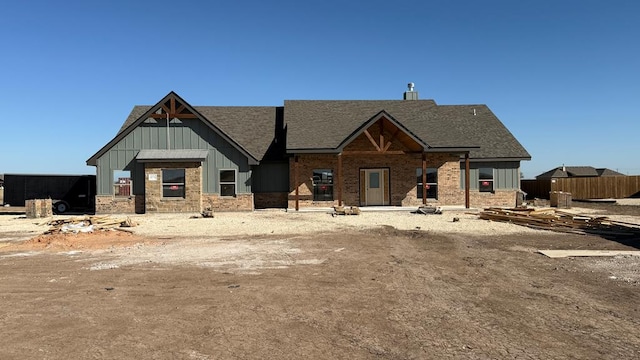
(154, 202)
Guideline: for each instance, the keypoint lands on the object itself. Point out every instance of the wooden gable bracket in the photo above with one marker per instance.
(173, 112)
(388, 145)
(366, 132)
(383, 146)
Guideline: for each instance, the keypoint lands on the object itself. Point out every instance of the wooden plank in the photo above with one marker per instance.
(179, 116)
(365, 152)
(390, 140)
(339, 180)
(584, 253)
(467, 181)
(366, 132)
(295, 181)
(424, 178)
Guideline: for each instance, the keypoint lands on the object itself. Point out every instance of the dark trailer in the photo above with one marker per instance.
(67, 192)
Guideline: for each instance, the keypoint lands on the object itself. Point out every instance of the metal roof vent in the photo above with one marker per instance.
(410, 94)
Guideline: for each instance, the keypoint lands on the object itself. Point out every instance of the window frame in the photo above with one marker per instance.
(117, 187)
(234, 182)
(323, 190)
(431, 184)
(486, 184)
(179, 184)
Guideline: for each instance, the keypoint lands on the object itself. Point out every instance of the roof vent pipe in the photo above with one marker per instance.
(474, 112)
(410, 94)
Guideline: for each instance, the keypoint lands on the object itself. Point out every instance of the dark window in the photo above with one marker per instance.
(432, 183)
(227, 183)
(173, 183)
(485, 179)
(322, 185)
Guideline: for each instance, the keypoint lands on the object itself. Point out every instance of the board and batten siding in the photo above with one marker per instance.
(506, 174)
(271, 177)
(183, 134)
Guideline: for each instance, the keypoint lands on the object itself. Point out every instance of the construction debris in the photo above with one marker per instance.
(561, 221)
(88, 224)
(207, 213)
(343, 210)
(426, 210)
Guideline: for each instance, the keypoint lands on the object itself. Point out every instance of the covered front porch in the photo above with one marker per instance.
(380, 164)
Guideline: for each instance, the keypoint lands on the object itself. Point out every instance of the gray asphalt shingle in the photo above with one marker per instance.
(324, 124)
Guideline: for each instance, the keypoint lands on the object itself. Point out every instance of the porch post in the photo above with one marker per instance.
(424, 178)
(340, 179)
(467, 181)
(295, 181)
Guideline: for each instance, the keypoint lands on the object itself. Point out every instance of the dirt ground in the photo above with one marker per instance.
(378, 292)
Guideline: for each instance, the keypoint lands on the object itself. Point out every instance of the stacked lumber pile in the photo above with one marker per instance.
(561, 221)
(89, 224)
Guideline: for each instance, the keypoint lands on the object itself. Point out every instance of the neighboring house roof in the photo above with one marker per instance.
(577, 171)
(320, 124)
(608, 172)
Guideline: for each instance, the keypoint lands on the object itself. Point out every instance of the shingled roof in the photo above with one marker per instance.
(323, 125)
(577, 171)
(253, 127)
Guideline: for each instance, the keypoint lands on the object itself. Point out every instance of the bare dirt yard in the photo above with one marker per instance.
(278, 285)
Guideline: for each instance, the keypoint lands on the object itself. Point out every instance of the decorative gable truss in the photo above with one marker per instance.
(382, 135)
(172, 107)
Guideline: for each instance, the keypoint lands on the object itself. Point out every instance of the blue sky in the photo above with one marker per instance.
(563, 75)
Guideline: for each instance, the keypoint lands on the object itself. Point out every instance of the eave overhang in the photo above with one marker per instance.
(177, 155)
(500, 159)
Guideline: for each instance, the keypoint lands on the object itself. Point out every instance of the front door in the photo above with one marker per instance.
(374, 187)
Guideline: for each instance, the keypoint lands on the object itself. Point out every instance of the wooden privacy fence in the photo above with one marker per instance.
(536, 188)
(605, 187)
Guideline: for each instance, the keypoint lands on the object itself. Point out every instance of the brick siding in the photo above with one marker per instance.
(240, 202)
(402, 174)
(192, 201)
(270, 200)
(109, 204)
(502, 198)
